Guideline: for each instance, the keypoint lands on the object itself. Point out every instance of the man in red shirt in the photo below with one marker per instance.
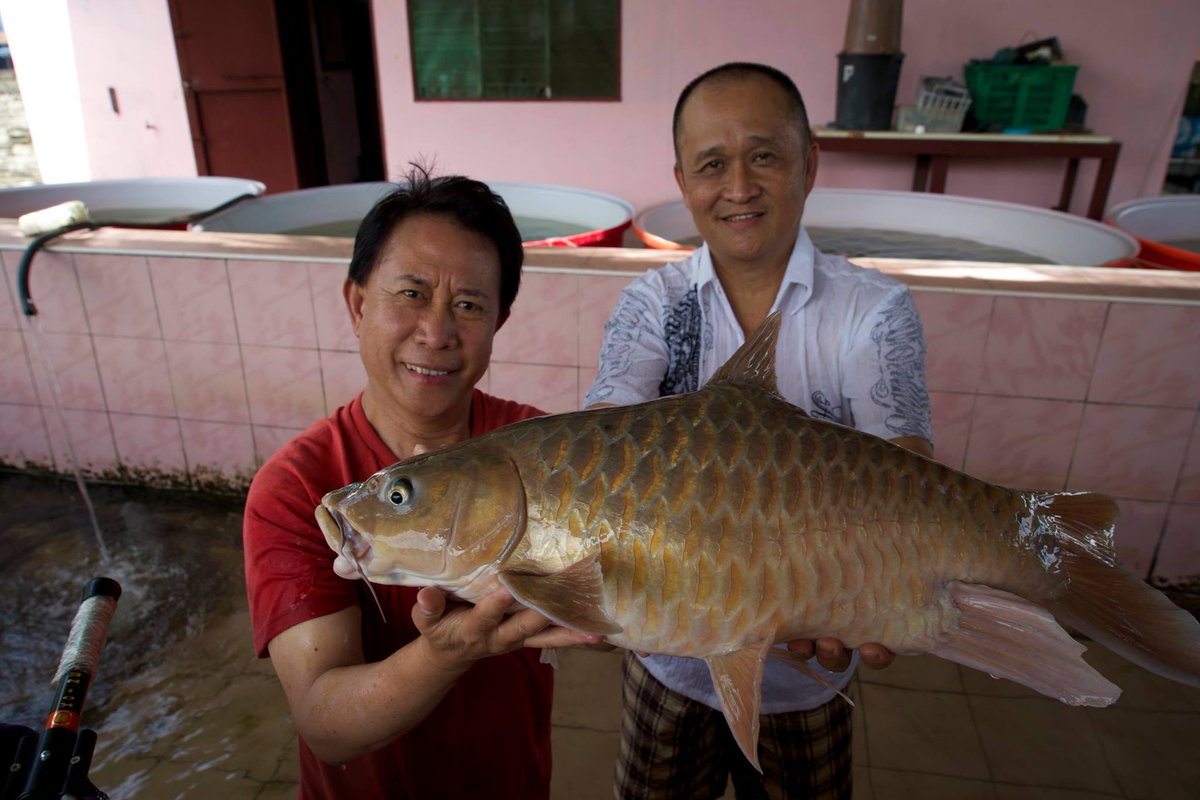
(418, 698)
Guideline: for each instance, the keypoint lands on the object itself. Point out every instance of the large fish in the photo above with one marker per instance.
(717, 523)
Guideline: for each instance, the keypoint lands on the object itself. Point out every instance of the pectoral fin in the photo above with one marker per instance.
(737, 677)
(573, 597)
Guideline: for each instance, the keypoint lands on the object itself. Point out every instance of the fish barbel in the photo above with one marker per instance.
(717, 523)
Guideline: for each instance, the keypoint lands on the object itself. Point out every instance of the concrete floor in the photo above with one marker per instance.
(924, 729)
(927, 729)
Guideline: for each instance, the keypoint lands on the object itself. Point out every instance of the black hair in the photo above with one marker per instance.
(468, 202)
(736, 70)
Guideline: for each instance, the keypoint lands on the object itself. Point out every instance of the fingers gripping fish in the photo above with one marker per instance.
(717, 523)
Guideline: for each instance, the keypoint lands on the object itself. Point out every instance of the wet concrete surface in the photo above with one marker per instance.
(181, 706)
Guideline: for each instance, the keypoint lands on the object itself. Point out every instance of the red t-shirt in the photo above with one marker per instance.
(490, 735)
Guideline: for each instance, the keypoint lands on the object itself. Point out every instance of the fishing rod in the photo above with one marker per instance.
(55, 763)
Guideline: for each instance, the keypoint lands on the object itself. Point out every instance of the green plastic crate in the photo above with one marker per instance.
(1032, 96)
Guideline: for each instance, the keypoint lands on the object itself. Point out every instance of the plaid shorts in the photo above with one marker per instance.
(674, 747)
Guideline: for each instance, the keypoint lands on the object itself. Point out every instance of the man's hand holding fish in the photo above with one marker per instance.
(456, 635)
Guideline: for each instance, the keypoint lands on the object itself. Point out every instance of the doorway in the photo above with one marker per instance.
(281, 91)
(1183, 168)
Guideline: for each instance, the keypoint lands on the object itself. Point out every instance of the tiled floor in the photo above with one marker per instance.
(928, 729)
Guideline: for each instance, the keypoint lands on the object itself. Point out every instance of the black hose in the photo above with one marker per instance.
(27, 306)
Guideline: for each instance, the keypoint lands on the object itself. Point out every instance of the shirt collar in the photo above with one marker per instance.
(797, 286)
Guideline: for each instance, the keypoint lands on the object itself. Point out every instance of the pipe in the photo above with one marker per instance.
(27, 306)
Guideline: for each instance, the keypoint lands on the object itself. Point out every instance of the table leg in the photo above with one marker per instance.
(937, 181)
(921, 173)
(1104, 176)
(1068, 186)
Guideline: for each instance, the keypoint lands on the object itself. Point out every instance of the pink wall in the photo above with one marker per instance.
(129, 46)
(68, 54)
(1135, 61)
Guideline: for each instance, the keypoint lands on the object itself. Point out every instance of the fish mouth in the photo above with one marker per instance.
(343, 538)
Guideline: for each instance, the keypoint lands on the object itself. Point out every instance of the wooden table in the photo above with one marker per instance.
(933, 152)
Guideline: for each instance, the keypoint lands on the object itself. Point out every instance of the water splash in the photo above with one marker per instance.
(41, 355)
(180, 697)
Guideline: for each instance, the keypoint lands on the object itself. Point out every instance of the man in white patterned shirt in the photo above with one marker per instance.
(850, 351)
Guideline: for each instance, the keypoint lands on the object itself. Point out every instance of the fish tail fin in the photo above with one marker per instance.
(1082, 521)
(1007, 636)
(1112, 605)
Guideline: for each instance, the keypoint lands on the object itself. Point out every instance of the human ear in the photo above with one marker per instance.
(682, 187)
(353, 294)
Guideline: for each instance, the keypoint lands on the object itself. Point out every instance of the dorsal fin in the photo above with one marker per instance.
(754, 361)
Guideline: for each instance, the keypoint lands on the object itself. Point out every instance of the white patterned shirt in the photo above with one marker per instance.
(850, 350)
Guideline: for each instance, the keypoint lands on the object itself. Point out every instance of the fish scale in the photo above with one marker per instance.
(717, 523)
(750, 500)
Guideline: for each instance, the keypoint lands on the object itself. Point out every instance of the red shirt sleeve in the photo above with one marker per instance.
(289, 566)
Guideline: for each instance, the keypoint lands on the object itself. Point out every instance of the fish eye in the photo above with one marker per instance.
(401, 491)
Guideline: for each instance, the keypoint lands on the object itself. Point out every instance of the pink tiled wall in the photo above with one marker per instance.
(194, 370)
(1080, 395)
(171, 369)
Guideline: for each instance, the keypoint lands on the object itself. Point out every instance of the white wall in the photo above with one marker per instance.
(41, 42)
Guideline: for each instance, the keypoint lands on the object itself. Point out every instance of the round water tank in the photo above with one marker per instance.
(135, 201)
(1046, 236)
(1168, 228)
(545, 214)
